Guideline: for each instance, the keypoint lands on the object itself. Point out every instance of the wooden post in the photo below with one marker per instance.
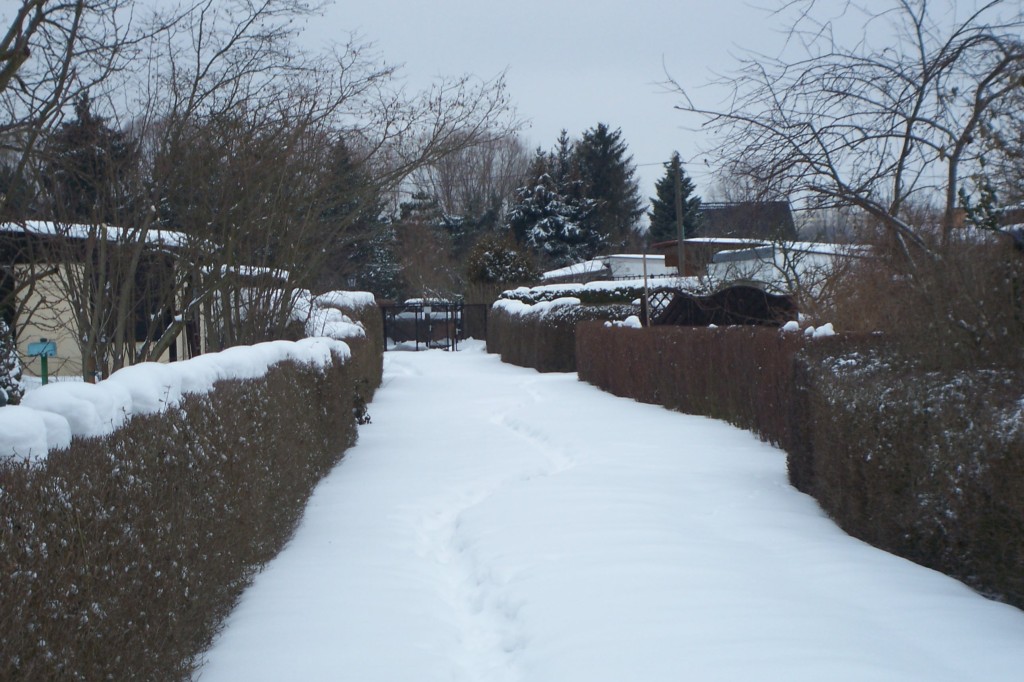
(680, 231)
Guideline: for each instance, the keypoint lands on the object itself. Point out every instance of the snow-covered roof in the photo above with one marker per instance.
(585, 268)
(635, 256)
(250, 271)
(601, 264)
(46, 228)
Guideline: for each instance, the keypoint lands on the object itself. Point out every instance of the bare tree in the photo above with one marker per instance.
(53, 52)
(890, 120)
(1002, 137)
(259, 135)
(479, 182)
(235, 125)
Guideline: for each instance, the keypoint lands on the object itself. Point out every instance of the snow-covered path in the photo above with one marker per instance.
(495, 524)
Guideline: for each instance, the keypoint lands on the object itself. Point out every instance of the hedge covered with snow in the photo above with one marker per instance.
(165, 488)
(543, 335)
(50, 416)
(927, 465)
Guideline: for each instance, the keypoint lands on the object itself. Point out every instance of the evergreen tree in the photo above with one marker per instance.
(497, 260)
(89, 169)
(375, 263)
(11, 388)
(357, 241)
(663, 206)
(551, 223)
(608, 177)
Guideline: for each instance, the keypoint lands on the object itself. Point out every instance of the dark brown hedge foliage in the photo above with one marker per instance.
(928, 465)
(121, 555)
(740, 374)
(546, 342)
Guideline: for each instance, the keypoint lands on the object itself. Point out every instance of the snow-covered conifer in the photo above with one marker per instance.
(11, 387)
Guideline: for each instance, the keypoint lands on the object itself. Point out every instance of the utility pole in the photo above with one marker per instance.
(680, 232)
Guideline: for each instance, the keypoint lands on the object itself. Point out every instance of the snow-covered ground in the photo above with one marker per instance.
(495, 524)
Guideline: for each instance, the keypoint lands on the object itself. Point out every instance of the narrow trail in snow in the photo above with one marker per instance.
(488, 619)
(498, 525)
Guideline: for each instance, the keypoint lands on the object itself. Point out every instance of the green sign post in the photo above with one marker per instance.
(43, 349)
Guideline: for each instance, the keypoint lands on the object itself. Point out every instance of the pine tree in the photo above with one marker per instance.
(89, 169)
(608, 177)
(11, 388)
(375, 263)
(355, 241)
(663, 206)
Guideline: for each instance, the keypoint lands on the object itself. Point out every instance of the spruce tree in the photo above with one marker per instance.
(550, 218)
(89, 171)
(608, 178)
(663, 206)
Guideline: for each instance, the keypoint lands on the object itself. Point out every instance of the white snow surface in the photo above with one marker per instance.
(496, 524)
(541, 309)
(109, 232)
(323, 315)
(51, 415)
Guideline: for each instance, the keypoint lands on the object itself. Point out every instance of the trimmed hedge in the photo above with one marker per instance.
(740, 374)
(545, 339)
(122, 555)
(926, 465)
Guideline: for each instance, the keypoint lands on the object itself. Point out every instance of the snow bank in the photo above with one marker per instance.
(49, 416)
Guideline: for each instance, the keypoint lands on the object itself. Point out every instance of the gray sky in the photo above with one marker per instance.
(572, 63)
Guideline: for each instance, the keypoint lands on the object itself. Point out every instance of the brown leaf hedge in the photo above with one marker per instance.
(927, 464)
(122, 555)
(545, 341)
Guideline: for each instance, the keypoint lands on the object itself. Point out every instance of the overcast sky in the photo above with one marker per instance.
(572, 63)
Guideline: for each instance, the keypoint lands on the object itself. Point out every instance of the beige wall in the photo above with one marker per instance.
(48, 314)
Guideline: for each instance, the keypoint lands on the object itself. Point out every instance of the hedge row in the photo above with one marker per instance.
(544, 337)
(122, 555)
(926, 465)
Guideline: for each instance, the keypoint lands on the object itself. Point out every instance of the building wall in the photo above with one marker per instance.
(781, 270)
(633, 266)
(48, 314)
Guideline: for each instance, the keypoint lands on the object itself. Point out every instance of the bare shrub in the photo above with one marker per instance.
(964, 309)
(741, 374)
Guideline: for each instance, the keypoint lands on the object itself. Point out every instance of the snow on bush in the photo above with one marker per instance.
(324, 315)
(632, 322)
(540, 308)
(50, 416)
(11, 387)
(811, 332)
(618, 291)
